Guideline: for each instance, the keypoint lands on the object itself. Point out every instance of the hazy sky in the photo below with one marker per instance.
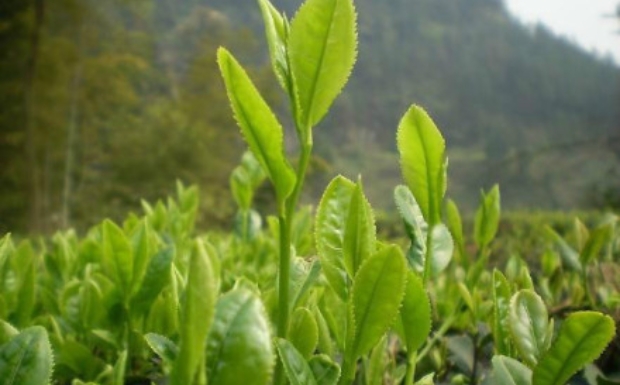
(587, 22)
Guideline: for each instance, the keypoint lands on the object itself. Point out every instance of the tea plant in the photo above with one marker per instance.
(149, 301)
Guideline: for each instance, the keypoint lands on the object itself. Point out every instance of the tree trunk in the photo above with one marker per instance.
(34, 222)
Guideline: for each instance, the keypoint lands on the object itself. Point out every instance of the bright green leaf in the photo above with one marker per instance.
(276, 31)
(487, 218)
(303, 332)
(322, 50)
(359, 233)
(197, 315)
(378, 289)
(582, 338)
(501, 307)
(324, 369)
(163, 347)
(528, 325)
(508, 371)
(26, 358)
(239, 348)
(118, 256)
(331, 218)
(259, 125)
(423, 161)
(295, 365)
(415, 313)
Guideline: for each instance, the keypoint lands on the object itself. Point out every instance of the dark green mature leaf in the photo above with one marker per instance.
(378, 289)
(582, 338)
(276, 31)
(118, 256)
(26, 358)
(239, 348)
(322, 50)
(508, 371)
(259, 125)
(529, 323)
(331, 218)
(303, 332)
(295, 365)
(501, 309)
(423, 161)
(324, 369)
(415, 313)
(359, 241)
(487, 218)
(197, 316)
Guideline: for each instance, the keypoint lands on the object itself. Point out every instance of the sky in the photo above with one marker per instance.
(589, 23)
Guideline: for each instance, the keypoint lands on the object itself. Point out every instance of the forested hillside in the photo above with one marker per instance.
(106, 102)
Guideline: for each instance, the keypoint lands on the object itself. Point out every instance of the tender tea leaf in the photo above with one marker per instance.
(378, 289)
(582, 338)
(197, 315)
(155, 279)
(570, 257)
(324, 369)
(276, 31)
(528, 325)
(598, 238)
(415, 313)
(331, 218)
(6, 248)
(442, 248)
(376, 364)
(423, 161)
(295, 365)
(25, 265)
(303, 332)
(303, 288)
(26, 358)
(118, 372)
(359, 234)
(501, 309)
(455, 225)
(118, 256)
(322, 50)
(162, 346)
(239, 348)
(258, 124)
(7, 331)
(245, 179)
(141, 245)
(487, 218)
(508, 371)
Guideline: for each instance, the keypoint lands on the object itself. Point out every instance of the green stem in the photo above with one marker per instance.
(436, 337)
(348, 372)
(411, 364)
(286, 223)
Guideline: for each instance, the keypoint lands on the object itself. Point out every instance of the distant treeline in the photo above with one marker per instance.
(103, 103)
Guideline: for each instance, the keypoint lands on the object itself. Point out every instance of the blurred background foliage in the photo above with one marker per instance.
(103, 103)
